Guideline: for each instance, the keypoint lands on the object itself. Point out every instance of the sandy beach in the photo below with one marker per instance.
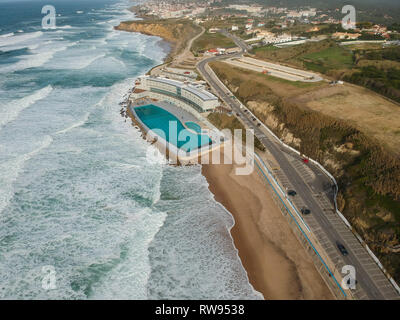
(276, 263)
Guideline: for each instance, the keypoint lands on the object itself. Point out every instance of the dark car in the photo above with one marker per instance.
(349, 281)
(258, 124)
(292, 193)
(305, 211)
(342, 249)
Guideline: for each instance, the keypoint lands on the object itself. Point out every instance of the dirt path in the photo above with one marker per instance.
(178, 61)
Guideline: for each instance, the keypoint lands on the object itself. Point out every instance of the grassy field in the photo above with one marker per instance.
(260, 50)
(364, 46)
(368, 65)
(334, 58)
(352, 131)
(322, 56)
(377, 69)
(211, 41)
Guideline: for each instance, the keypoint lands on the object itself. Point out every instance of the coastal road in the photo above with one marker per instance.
(314, 191)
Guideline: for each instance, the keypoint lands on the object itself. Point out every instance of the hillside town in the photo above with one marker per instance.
(269, 24)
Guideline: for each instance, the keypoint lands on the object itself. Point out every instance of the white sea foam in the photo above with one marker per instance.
(120, 62)
(33, 47)
(42, 56)
(76, 59)
(28, 61)
(14, 39)
(201, 261)
(75, 125)
(10, 111)
(11, 169)
(65, 27)
(84, 63)
(7, 35)
(124, 281)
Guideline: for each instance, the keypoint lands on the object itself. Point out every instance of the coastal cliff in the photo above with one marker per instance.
(152, 29)
(176, 32)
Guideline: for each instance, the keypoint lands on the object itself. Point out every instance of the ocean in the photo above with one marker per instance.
(78, 195)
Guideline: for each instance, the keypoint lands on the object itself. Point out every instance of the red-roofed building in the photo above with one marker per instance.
(212, 51)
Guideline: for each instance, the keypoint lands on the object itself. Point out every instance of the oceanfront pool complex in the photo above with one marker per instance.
(179, 93)
(169, 128)
(170, 111)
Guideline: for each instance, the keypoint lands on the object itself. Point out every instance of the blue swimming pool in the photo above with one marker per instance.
(194, 126)
(166, 125)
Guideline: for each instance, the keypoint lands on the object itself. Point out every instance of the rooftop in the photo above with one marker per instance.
(202, 94)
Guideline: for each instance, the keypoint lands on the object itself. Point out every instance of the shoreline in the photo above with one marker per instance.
(258, 226)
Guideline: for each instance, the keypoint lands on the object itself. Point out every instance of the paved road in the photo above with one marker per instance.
(371, 283)
(239, 42)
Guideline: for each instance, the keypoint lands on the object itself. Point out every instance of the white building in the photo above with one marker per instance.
(235, 28)
(243, 7)
(282, 38)
(176, 92)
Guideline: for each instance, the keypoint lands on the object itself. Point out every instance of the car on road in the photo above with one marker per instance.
(258, 124)
(305, 211)
(254, 119)
(342, 249)
(291, 193)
